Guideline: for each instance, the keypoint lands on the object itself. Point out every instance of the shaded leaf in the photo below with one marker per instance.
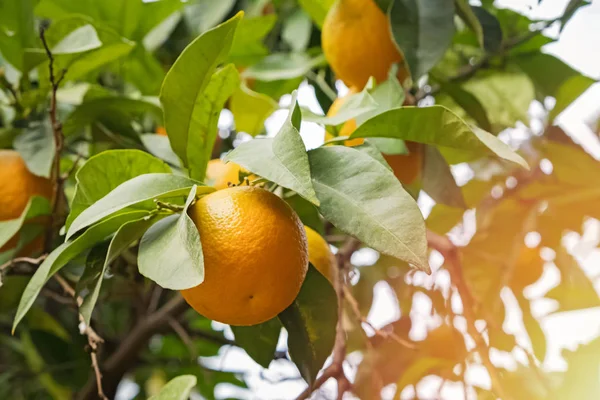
(438, 181)
(94, 273)
(283, 66)
(160, 147)
(469, 103)
(36, 146)
(174, 241)
(310, 322)
(60, 256)
(317, 9)
(423, 30)
(362, 197)
(250, 110)
(35, 207)
(259, 341)
(247, 47)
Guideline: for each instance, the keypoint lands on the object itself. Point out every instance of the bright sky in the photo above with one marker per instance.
(579, 46)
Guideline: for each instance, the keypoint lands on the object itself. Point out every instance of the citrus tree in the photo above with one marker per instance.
(145, 207)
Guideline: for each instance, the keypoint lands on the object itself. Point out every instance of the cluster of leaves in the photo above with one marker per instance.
(129, 67)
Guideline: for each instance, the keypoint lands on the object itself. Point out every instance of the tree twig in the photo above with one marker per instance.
(57, 132)
(93, 338)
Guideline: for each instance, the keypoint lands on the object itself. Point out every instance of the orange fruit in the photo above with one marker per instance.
(357, 42)
(160, 130)
(17, 186)
(255, 255)
(320, 255)
(220, 174)
(529, 267)
(407, 167)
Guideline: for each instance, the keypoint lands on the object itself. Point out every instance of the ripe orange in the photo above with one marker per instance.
(220, 174)
(17, 186)
(255, 255)
(160, 130)
(357, 43)
(320, 255)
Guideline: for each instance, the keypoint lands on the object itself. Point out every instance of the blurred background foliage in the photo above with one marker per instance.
(511, 233)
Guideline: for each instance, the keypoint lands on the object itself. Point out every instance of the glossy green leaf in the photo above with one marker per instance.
(187, 80)
(317, 9)
(281, 159)
(310, 322)
(174, 241)
(436, 125)
(259, 341)
(283, 66)
(92, 277)
(137, 192)
(105, 171)
(423, 31)
(36, 146)
(205, 117)
(362, 197)
(36, 206)
(247, 47)
(65, 253)
(160, 147)
(178, 388)
(250, 110)
(438, 181)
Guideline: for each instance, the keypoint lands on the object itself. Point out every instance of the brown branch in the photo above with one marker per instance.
(57, 199)
(184, 336)
(453, 264)
(93, 338)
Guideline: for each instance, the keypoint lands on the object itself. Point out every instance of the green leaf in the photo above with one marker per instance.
(259, 341)
(247, 47)
(250, 110)
(354, 106)
(81, 39)
(362, 197)
(105, 171)
(284, 66)
(138, 192)
(160, 147)
(178, 388)
(438, 181)
(187, 80)
(436, 125)
(65, 253)
(317, 9)
(570, 90)
(107, 107)
(296, 30)
(281, 159)
(94, 272)
(174, 241)
(423, 31)
(465, 11)
(17, 30)
(468, 102)
(205, 117)
(374, 152)
(36, 146)
(36, 206)
(492, 30)
(202, 15)
(308, 213)
(310, 322)
(505, 96)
